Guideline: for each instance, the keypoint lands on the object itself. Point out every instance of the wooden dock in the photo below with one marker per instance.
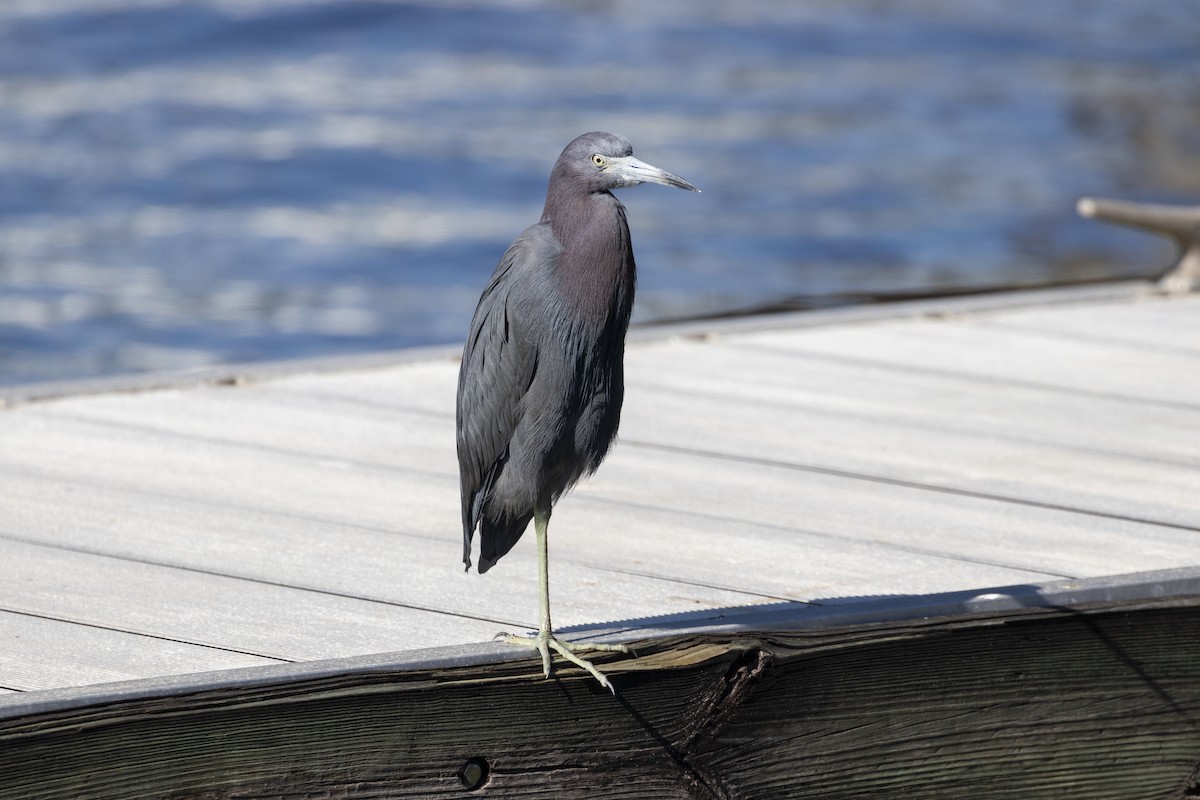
(876, 550)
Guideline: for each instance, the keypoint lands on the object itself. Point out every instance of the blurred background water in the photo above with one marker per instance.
(193, 182)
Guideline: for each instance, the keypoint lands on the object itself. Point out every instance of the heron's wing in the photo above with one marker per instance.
(498, 365)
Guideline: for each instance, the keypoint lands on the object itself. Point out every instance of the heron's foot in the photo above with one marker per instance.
(546, 641)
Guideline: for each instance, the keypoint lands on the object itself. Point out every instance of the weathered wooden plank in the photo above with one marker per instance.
(255, 618)
(1128, 478)
(1027, 538)
(420, 572)
(1156, 491)
(822, 437)
(1165, 324)
(430, 386)
(1006, 355)
(304, 427)
(694, 490)
(605, 565)
(252, 477)
(922, 400)
(1021, 471)
(1094, 702)
(39, 653)
(1113, 718)
(948, 524)
(360, 416)
(427, 388)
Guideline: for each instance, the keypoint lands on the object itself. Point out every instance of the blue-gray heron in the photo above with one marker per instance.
(541, 381)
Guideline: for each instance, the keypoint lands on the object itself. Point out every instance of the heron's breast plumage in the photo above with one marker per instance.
(593, 282)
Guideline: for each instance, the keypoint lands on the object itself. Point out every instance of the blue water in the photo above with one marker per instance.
(192, 182)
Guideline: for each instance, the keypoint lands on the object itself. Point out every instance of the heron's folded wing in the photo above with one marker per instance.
(498, 365)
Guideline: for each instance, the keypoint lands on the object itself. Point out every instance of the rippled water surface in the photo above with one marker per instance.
(190, 182)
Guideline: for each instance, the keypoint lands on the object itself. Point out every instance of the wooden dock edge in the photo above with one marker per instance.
(1075, 689)
(238, 374)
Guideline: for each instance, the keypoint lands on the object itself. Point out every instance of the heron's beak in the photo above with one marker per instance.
(632, 172)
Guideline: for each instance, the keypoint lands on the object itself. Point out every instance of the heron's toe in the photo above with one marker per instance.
(545, 641)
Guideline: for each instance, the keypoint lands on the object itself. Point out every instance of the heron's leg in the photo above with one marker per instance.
(546, 640)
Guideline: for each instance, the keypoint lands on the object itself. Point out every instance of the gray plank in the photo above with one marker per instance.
(38, 653)
(934, 402)
(249, 477)
(336, 431)
(420, 570)
(604, 555)
(316, 515)
(692, 488)
(962, 457)
(425, 388)
(899, 517)
(287, 424)
(1161, 324)
(974, 348)
(1022, 471)
(274, 622)
(435, 519)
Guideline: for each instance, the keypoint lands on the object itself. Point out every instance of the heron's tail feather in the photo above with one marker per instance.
(497, 537)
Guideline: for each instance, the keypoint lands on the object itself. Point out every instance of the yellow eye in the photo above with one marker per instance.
(598, 160)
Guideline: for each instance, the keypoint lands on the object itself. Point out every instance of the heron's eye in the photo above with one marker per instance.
(598, 160)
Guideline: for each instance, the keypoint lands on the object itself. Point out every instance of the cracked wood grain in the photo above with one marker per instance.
(1101, 703)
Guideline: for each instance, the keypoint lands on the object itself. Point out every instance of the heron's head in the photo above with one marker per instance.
(600, 161)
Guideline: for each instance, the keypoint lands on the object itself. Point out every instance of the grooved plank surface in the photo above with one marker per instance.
(312, 516)
(76, 653)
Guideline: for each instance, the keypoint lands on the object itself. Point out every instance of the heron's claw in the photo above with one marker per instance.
(546, 640)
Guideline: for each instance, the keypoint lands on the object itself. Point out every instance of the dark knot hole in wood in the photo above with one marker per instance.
(1191, 784)
(473, 774)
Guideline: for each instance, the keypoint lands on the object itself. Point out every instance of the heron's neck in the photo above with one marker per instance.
(596, 269)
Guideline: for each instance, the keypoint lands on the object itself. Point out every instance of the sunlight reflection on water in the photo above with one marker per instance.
(187, 182)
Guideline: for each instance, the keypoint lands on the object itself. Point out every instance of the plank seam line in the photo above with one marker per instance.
(897, 308)
(344, 400)
(365, 598)
(219, 441)
(392, 468)
(143, 634)
(222, 376)
(259, 373)
(784, 405)
(905, 483)
(587, 496)
(78, 480)
(1034, 329)
(678, 512)
(386, 532)
(868, 543)
(1174, 405)
(686, 581)
(260, 581)
(576, 496)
